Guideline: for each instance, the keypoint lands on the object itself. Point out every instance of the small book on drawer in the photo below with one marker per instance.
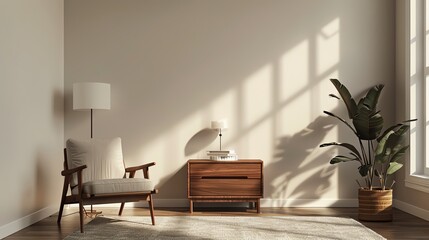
(227, 157)
(220, 152)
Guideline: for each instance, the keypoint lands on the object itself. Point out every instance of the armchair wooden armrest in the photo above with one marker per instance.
(73, 170)
(135, 168)
(144, 167)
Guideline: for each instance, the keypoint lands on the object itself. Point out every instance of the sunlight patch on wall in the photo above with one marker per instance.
(257, 95)
(296, 115)
(328, 47)
(258, 143)
(294, 71)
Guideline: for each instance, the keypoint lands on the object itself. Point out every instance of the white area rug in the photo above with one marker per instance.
(208, 227)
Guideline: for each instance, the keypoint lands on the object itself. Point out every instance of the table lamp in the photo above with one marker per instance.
(219, 125)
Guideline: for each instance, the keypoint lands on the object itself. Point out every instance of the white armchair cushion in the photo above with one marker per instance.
(116, 185)
(103, 158)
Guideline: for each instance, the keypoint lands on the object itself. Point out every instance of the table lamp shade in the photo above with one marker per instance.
(219, 124)
(91, 95)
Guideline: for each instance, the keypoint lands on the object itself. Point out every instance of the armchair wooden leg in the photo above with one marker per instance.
(151, 209)
(79, 185)
(81, 215)
(121, 208)
(60, 212)
(63, 198)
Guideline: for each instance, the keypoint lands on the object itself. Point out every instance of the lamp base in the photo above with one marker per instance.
(92, 213)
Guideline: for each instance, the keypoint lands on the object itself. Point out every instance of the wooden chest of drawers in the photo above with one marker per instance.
(225, 181)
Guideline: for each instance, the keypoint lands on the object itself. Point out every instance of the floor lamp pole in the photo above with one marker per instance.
(92, 211)
(91, 122)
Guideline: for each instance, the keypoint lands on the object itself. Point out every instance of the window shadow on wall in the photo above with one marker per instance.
(293, 175)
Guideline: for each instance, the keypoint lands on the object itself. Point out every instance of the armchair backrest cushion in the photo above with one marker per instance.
(103, 158)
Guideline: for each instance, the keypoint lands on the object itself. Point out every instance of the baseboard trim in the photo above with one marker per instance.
(309, 203)
(181, 202)
(265, 202)
(26, 221)
(411, 209)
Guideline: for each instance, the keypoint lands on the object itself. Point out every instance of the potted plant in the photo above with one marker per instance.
(378, 152)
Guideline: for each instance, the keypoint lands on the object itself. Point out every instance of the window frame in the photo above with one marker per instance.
(416, 90)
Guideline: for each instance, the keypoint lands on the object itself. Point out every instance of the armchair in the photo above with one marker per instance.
(95, 172)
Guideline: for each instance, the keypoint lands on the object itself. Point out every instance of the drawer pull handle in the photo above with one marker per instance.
(224, 177)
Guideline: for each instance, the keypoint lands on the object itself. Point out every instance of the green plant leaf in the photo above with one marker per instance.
(410, 120)
(340, 158)
(364, 169)
(345, 145)
(388, 130)
(396, 126)
(368, 125)
(398, 155)
(334, 96)
(403, 129)
(393, 167)
(328, 144)
(356, 156)
(347, 97)
(342, 120)
(395, 140)
(380, 152)
(371, 99)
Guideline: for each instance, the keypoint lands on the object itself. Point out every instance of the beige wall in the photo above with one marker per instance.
(264, 65)
(32, 116)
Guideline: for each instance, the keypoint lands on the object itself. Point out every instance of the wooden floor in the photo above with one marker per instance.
(404, 225)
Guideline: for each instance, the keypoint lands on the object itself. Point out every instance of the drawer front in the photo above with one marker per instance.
(240, 170)
(225, 187)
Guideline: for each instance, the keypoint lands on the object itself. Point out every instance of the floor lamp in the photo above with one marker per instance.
(90, 96)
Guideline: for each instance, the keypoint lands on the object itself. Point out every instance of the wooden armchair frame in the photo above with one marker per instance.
(86, 199)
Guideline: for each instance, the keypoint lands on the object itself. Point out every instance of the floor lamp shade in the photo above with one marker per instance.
(91, 95)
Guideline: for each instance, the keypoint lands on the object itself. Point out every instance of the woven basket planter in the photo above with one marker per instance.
(375, 205)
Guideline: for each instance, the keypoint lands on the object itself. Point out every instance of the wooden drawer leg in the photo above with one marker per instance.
(258, 205)
(191, 206)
